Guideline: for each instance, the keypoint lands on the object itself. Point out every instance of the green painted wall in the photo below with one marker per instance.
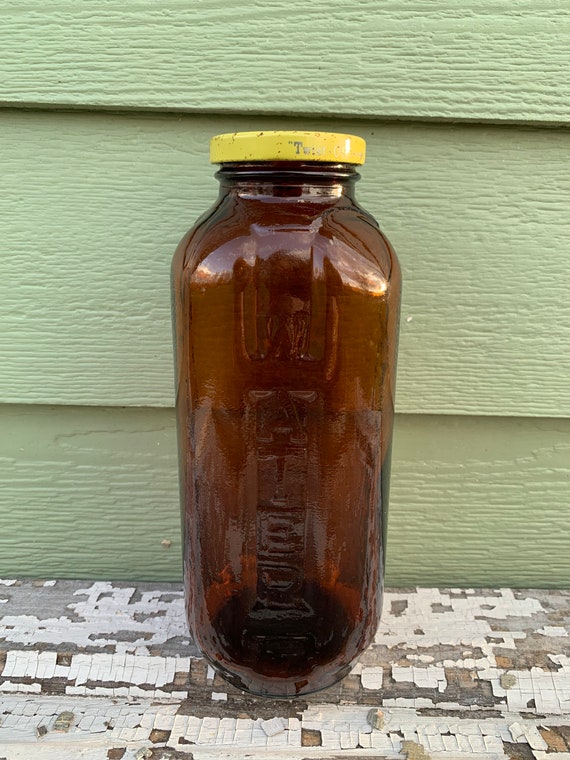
(105, 115)
(93, 205)
(505, 60)
(92, 492)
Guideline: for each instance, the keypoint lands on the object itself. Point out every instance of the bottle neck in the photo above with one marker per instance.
(288, 180)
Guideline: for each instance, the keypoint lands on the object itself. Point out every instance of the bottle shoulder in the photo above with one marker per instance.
(342, 233)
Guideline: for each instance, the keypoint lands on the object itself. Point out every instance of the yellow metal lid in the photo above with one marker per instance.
(284, 145)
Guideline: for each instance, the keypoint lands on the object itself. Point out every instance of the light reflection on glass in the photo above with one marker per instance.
(353, 271)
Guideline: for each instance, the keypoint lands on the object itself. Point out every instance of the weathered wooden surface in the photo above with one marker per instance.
(103, 671)
(506, 60)
(93, 493)
(92, 206)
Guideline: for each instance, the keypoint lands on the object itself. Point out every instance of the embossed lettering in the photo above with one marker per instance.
(281, 439)
(286, 327)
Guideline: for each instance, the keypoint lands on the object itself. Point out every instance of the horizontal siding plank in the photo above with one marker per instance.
(506, 60)
(92, 493)
(92, 206)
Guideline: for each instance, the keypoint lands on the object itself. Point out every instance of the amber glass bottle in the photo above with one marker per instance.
(286, 300)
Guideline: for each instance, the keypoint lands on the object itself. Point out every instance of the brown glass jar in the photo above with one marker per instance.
(286, 301)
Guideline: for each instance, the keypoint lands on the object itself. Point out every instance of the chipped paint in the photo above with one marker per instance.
(371, 678)
(451, 673)
(339, 727)
(431, 677)
(108, 616)
(553, 630)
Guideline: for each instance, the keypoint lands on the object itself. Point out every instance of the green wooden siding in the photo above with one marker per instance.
(106, 109)
(505, 60)
(93, 206)
(93, 493)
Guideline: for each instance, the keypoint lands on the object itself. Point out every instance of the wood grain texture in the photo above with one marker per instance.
(101, 671)
(92, 206)
(506, 60)
(87, 492)
(104, 671)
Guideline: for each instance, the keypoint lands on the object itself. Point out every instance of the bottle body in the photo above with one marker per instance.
(286, 301)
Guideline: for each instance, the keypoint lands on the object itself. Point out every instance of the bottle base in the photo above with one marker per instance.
(279, 689)
(285, 651)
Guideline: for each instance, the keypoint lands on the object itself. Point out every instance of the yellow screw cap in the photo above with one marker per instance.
(329, 147)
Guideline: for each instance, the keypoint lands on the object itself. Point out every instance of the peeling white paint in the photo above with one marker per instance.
(553, 630)
(560, 659)
(371, 678)
(98, 619)
(274, 726)
(426, 678)
(125, 692)
(341, 727)
(210, 674)
(463, 621)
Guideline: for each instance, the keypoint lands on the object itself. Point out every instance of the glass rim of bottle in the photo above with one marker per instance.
(287, 145)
